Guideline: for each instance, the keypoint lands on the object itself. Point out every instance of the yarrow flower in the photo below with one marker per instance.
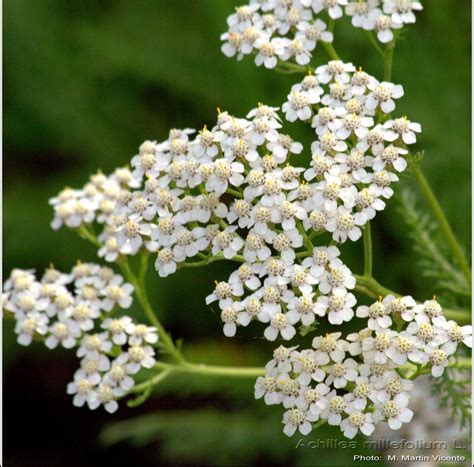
(70, 310)
(234, 191)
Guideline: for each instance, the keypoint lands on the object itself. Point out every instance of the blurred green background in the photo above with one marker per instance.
(85, 82)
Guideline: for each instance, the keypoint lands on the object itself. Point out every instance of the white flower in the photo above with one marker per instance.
(264, 129)
(118, 328)
(117, 293)
(255, 247)
(137, 357)
(267, 387)
(189, 243)
(356, 421)
(302, 309)
(333, 7)
(298, 106)
(382, 95)
(283, 147)
(285, 243)
(330, 346)
(110, 249)
(456, 334)
(290, 390)
(64, 332)
(297, 419)
(377, 348)
(330, 190)
(246, 275)
(83, 314)
(129, 235)
(355, 341)
(368, 202)
(382, 24)
(92, 343)
(242, 18)
(382, 181)
(353, 123)
(401, 128)
(321, 258)
(228, 242)
(92, 367)
(30, 324)
(307, 367)
(341, 373)
(328, 142)
(334, 70)
(426, 336)
(232, 44)
(339, 278)
(104, 395)
(391, 385)
(282, 359)
(337, 306)
(313, 399)
(269, 50)
(429, 311)
(224, 292)
(404, 348)
(335, 408)
(438, 359)
(229, 316)
(140, 334)
(296, 49)
(118, 375)
(378, 314)
(401, 11)
(390, 155)
(345, 225)
(312, 33)
(81, 388)
(165, 262)
(395, 412)
(403, 306)
(361, 394)
(280, 324)
(19, 280)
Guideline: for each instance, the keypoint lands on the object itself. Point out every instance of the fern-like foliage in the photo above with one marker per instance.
(453, 389)
(433, 259)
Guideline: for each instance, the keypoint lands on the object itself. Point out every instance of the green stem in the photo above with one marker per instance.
(84, 232)
(235, 193)
(374, 42)
(331, 51)
(306, 241)
(368, 260)
(388, 58)
(198, 369)
(443, 223)
(140, 291)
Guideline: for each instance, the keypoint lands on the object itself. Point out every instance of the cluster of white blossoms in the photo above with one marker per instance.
(357, 382)
(383, 16)
(232, 191)
(70, 310)
(289, 30)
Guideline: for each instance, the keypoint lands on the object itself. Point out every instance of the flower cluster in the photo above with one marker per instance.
(357, 382)
(71, 310)
(283, 294)
(289, 30)
(232, 191)
(383, 16)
